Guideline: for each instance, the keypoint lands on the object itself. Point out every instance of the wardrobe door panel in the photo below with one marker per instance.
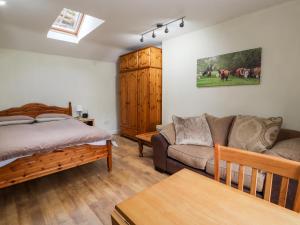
(123, 100)
(156, 58)
(155, 98)
(144, 58)
(132, 99)
(123, 63)
(143, 100)
(132, 62)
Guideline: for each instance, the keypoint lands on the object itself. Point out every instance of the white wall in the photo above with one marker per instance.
(55, 80)
(276, 30)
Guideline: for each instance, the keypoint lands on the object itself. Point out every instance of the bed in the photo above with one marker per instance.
(54, 146)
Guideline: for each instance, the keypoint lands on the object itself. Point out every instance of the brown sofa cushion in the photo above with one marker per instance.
(219, 128)
(192, 131)
(168, 131)
(192, 155)
(253, 133)
(235, 174)
(289, 149)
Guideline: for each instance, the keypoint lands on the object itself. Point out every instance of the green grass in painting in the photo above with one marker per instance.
(232, 80)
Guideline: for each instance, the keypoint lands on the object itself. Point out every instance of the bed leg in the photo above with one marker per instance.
(109, 156)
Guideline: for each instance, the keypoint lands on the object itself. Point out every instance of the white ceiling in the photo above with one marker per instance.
(24, 23)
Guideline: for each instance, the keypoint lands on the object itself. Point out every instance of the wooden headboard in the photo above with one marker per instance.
(35, 109)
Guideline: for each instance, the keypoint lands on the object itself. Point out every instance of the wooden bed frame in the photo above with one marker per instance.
(42, 164)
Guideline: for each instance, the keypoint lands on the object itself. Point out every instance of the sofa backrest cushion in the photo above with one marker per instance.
(254, 133)
(168, 132)
(289, 149)
(285, 134)
(219, 128)
(192, 130)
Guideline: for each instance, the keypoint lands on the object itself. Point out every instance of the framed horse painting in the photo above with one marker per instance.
(237, 68)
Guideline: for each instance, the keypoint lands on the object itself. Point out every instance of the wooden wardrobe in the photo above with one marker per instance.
(140, 91)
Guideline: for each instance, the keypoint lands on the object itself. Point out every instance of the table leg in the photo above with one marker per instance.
(140, 148)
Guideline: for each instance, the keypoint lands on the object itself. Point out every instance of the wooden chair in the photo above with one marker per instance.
(270, 164)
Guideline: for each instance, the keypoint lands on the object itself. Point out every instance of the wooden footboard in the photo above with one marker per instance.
(42, 164)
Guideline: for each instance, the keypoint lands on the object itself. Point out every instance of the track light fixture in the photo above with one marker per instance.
(166, 30)
(161, 25)
(182, 23)
(153, 35)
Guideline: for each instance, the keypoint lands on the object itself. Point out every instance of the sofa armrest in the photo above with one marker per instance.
(160, 152)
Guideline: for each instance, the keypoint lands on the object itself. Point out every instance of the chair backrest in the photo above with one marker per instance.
(270, 164)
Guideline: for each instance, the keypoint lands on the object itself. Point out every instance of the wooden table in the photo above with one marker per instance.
(188, 198)
(145, 139)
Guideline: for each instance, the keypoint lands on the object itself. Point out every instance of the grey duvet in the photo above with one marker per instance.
(27, 139)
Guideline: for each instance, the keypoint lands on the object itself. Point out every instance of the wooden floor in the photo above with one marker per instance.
(82, 195)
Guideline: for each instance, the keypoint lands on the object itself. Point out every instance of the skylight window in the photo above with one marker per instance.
(72, 26)
(68, 21)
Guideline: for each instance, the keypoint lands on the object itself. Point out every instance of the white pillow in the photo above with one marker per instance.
(13, 120)
(10, 118)
(47, 117)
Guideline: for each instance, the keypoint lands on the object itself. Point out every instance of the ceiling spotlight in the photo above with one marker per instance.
(166, 30)
(142, 39)
(182, 23)
(2, 3)
(153, 35)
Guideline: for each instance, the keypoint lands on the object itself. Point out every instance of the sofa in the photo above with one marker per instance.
(170, 158)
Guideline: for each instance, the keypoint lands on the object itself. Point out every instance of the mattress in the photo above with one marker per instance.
(98, 143)
(27, 139)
